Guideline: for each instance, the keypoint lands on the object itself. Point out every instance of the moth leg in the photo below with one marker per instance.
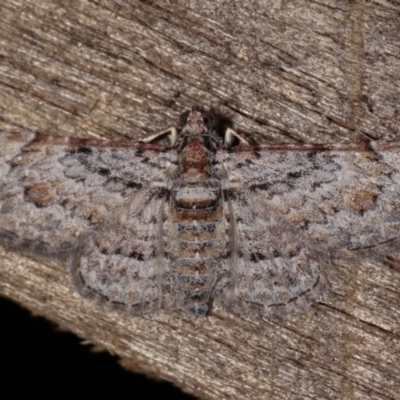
(229, 134)
(173, 136)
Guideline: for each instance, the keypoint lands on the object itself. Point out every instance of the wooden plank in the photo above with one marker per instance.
(283, 71)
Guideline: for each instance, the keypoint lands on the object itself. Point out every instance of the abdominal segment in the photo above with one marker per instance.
(196, 216)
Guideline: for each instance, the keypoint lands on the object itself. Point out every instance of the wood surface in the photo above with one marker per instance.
(282, 71)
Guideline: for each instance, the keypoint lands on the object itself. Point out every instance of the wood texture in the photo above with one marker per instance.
(283, 71)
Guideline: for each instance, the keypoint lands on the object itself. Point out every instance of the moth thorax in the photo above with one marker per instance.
(195, 157)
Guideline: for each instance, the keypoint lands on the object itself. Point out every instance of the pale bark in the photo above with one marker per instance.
(323, 71)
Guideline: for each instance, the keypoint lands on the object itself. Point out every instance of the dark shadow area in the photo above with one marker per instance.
(37, 361)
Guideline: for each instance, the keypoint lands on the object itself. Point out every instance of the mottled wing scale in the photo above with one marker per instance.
(90, 198)
(252, 229)
(274, 267)
(123, 264)
(296, 207)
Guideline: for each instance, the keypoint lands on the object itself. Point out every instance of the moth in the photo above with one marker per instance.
(204, 221)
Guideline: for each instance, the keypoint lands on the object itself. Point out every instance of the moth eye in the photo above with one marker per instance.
(208, 121)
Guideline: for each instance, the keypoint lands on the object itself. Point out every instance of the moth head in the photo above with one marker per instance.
(197, 122)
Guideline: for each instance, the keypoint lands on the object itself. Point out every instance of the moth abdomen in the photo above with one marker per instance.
(196, 215)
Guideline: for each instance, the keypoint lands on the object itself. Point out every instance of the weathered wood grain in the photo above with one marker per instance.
(281, 70)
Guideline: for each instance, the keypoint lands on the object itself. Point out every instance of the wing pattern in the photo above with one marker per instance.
(296, 207)
(62, 196)
(253, 229)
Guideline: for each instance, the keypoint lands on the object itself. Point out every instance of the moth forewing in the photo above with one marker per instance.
(251, 228)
